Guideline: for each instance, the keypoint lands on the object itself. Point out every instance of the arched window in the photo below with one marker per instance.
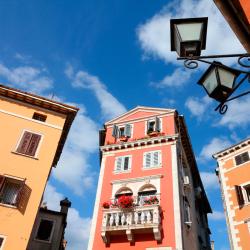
(145, 192)
(123, 191)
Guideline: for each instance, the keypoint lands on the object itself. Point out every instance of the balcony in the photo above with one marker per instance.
(140, 219)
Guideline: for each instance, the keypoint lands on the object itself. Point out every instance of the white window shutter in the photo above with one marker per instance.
(129, 162)
(148, 160)
(155, 158)
(118, 164)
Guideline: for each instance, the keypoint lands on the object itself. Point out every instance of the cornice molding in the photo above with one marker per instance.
(139, 143)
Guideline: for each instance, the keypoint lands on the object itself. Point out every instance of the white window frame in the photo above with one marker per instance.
(152, 166)
(4, 240)
(123, 159)
(244, 192)
(52, 230)
(151, 120)
(239, 165)
(38, 147)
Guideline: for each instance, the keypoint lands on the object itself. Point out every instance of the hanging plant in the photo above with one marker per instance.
(125, 201)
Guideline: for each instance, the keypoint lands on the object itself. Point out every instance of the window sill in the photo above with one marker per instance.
(154, 167)
(43, 241)
(7, 205)
(29, 156)
(122, 172)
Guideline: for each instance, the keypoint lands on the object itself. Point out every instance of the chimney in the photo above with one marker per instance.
(212, 244)
(65, 204)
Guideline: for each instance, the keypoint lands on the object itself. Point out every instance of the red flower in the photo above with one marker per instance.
(106, 204)
(125, 201)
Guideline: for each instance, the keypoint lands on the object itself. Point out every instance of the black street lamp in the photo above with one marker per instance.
(188, 38)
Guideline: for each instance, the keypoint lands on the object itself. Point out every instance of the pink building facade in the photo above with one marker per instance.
(147, 159)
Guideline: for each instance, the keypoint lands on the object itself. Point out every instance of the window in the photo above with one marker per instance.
(154, 125)
(152, 159)
(14, 192)
(242, 158)
(44, 231)
(28, 143)
(247, 190)
(10, 191)
(122, 131)
(2, 238)
(123, 163)
(187, 215)
(39, 117)
(243, 194)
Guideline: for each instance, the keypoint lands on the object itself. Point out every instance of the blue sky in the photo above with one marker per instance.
(107, 57)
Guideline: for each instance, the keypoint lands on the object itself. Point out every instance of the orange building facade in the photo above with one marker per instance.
(234, 176)
(149, 195)
(33, 132)
(237, 14)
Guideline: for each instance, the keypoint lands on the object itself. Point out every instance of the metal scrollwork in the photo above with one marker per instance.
(222, 108)
(191, 64)
(244, 61)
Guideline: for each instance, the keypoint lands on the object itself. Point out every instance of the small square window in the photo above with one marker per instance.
(153, 125)
(152, 159)
(123, 163)
(10, 191)
(14, 192)
(242, 158)
(121, 132)
(44, 231)
(39, 117)
(28, 143)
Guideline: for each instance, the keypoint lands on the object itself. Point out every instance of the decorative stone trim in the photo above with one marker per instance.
(139, 143)
(144, 178)
(232, 149)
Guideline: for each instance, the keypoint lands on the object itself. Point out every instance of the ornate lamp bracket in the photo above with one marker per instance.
(243, 61)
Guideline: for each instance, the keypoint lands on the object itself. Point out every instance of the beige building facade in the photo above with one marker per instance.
(234, 177)
(32, 135)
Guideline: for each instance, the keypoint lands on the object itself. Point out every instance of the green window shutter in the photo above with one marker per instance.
(128, 130)
(115, 131)
(157, 124)
(118, 164)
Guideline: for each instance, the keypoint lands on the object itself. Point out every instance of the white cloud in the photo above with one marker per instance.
(210, 180)
(27, 78)
(154, 35)
(216, 215)
(238, 113)
(214, 146)
(77, 230)
(198, 106)
(73, 168)
(110, 106)
(178, 78)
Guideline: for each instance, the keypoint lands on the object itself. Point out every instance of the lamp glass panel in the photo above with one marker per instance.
(190, 31)
(210, 82)
(226, 77)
